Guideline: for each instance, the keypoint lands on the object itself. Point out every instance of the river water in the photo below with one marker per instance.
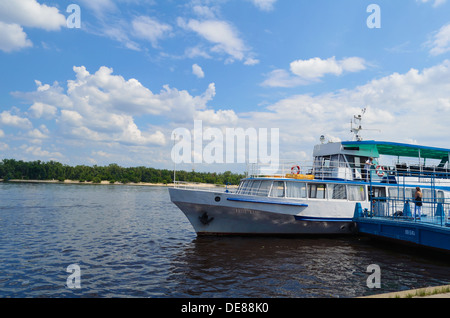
(131, 241)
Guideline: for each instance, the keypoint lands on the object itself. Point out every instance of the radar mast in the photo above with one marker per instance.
(357, 128)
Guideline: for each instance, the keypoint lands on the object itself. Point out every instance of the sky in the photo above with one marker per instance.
(109, 81)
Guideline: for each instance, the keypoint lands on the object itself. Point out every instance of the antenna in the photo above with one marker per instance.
(357, 122)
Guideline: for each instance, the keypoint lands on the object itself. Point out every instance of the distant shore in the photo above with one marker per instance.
(106, 182)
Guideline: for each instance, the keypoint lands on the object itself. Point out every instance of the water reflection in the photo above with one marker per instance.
(306, 267)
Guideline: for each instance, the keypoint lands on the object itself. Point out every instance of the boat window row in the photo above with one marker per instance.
(282, 189)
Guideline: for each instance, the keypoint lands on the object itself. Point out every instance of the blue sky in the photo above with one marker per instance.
(113, 90)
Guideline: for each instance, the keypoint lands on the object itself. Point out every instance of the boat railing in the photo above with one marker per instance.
(434, 211)
(347, 171)
(292, 168)
(204, 186)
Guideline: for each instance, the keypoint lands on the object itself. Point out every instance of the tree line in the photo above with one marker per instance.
(52, 170)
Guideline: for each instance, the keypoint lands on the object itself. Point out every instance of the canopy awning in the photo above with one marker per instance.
(400, 149)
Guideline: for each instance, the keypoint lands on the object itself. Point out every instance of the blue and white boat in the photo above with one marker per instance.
(320, 198)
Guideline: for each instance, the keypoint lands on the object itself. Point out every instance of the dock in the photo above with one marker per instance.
(431, 230)
(428, 292)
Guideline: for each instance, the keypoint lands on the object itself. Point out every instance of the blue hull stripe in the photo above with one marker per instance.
(316, 219)
(267, 202)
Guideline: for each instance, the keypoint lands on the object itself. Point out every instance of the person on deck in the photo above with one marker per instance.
(418, 203)
(367, 167)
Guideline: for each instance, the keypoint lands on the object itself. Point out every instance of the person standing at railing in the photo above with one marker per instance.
(368, 165)
(418, 203)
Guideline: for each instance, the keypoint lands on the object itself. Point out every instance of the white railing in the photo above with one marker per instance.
(346, 171)
(205, 186)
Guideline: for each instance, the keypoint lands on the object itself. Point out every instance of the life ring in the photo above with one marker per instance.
(295, 168)
(380, 171)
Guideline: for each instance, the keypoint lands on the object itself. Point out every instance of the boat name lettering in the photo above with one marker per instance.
(240, 210)
(410, 232)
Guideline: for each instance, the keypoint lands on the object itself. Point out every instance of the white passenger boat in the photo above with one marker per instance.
(319, 198)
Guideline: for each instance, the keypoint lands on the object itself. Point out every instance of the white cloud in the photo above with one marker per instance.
(120, 32)
(304, 72)
(282, 78)
(413, 105)
(436, 3)
(316, 68)
(441, 41)
(217, 118)
(38, 110)
(40, 153)
(198, 71)
(150, 29)
(197, 51)
(222, 35)
(16, 14)
(8, 119)
(265, 5)
(41, 133)
(4, 146)
(103, 110)
(102, 107)
(30, 13)
(204, 11)
(12, 38)
(100, 6)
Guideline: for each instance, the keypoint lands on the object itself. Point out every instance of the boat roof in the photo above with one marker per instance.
(399, 149)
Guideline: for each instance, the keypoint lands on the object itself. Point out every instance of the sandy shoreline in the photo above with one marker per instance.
(105, 182)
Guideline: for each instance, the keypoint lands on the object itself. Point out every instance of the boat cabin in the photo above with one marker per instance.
(346, 161)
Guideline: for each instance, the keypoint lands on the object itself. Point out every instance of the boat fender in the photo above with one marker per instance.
(295, 170)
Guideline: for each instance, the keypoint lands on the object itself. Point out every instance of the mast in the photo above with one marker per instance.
(357, 121)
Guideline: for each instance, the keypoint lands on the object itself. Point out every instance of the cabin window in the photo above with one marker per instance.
(296, 190)
(317, 190)
(337, 191)
(246, 187)
(395, 194)
(264, 188)
(356, 193)
(253, 190)
(277, 189)
(427, 195)
(241, 186)
(440, 197)
(255, 187)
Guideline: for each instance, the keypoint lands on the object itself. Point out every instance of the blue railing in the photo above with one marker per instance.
(433, 211)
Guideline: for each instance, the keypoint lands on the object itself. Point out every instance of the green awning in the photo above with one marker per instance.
(400, 149)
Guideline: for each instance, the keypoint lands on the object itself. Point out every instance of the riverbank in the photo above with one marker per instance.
(105, 182)
(428, 292)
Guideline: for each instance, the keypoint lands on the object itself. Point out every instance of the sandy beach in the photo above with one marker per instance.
(106, 182)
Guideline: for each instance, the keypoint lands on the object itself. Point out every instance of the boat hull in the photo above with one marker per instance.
(216, 213)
